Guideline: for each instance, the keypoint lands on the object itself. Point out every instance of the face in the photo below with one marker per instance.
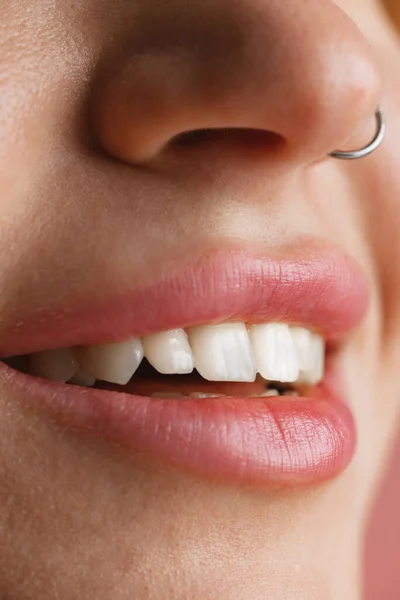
(167, 192)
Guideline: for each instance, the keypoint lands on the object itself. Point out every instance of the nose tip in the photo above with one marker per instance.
(300, 71)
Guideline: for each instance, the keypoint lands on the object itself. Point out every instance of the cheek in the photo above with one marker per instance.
(382, 224)
(379, 206)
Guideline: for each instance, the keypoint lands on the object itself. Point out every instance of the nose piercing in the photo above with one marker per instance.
(371, 147)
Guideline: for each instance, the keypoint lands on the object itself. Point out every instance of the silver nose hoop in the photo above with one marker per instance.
(371, 147)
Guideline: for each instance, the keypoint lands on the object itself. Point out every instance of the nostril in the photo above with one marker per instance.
(240, 138)
(252, 79)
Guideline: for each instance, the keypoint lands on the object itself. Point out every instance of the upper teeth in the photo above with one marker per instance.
(223, 352)
(169, 352)
(114, 362)
(228, 352)
(59, 365)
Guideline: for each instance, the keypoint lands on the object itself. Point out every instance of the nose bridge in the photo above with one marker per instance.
(299, 70)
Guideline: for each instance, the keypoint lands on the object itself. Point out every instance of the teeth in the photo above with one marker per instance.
(168, 395)
(203, 395)
(83, 378)
(169, 352)
(57, 365)
(269, 393)
(266, 394)
(223, 352)
(115, 362)
(275, 352)
(303, 342)
(229, 352)
(312, 365)
(173, 396)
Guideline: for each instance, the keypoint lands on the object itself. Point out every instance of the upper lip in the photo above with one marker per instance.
(323, 289)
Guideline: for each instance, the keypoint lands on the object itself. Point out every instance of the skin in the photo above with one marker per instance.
(84, 179)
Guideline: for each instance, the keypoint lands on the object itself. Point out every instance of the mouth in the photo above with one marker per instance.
(240, 397)
(232, 359)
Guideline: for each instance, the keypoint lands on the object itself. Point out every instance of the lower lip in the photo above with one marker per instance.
(269, 441)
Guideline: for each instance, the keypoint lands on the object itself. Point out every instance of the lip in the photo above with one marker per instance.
(275, 441)
(319, 287)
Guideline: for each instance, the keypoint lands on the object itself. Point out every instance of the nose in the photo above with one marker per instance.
(300, 71)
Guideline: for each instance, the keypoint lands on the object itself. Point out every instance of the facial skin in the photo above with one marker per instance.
(90, 95)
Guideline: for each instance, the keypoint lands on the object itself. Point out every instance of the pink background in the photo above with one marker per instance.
(382, 561)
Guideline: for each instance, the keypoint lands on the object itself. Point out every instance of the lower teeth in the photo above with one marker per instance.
(203, 395)
(83, 379)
